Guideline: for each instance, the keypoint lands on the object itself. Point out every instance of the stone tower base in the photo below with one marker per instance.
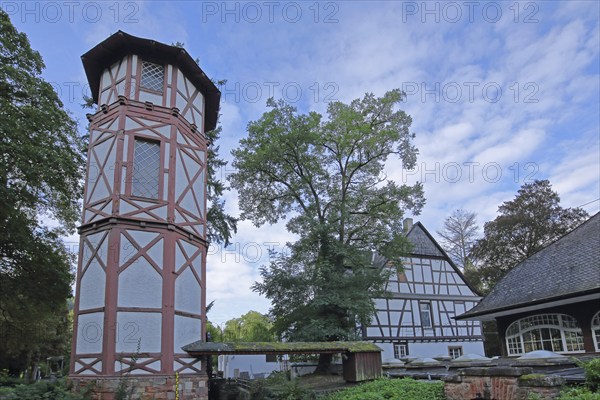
(154, 387)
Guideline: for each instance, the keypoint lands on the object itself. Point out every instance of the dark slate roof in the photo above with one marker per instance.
(423, 242)
(566, 268)
(116, 46)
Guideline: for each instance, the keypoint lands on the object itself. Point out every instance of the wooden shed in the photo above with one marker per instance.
(361, 361)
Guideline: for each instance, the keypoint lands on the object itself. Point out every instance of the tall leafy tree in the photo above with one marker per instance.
(327, 178)
(526, 224)
(458, 235)
(41, 167)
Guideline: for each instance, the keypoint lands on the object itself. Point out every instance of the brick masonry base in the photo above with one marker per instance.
(499, 383)
(155, 387)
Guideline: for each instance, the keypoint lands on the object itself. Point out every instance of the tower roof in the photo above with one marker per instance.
(120, 44)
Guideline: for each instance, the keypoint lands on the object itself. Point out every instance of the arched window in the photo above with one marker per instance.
(596, 330)
(559, 333)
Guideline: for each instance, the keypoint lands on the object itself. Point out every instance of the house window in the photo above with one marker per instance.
(153, 76)
(596, 330)
(146, 169)
(455, 351)
(559, 333)
(426, 317)
(271, 358)
(400, 350)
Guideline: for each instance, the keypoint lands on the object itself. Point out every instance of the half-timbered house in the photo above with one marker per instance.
(416, 318)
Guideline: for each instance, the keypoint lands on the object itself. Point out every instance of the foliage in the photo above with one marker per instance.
(405, 389)
(250, 327)
(592, 374)
(43, 390)
(526, 224)
(579, 393)
(327, 178)
(41, 166)
(458, 235)
(278, 386)
(221, 226)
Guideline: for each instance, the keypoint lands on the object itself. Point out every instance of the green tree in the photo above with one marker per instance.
(327, 178)
(526, 224)
(41, 168)
(250, 327)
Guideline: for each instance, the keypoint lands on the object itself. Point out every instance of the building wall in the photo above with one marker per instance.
(583, 312)
(141, 272)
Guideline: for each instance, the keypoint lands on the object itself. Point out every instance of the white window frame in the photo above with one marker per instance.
(400, 350)
(595, 327)
(452, 349)
(429, 313)
(565, 324)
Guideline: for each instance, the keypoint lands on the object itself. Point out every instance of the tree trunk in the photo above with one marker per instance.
(324, 363)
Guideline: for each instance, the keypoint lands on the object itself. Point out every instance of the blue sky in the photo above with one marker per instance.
(500, 93)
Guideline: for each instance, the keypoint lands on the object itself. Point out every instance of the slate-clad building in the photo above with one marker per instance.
(551, 300)
(417, 319)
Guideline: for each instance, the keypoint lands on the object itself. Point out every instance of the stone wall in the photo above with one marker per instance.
(501, 383)
(190, 387)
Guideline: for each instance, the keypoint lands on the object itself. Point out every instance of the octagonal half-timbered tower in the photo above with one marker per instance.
(141, 277)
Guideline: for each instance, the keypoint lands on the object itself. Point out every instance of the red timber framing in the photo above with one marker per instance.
(141, 276)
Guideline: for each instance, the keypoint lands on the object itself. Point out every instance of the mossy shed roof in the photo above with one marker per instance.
(205, 348)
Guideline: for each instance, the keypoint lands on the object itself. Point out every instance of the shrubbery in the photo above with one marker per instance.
(43, 390)
(381, 389)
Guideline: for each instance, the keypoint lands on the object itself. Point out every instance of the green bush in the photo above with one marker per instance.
(580, 393)
(592, 374)
(44, 390)
(382, 389)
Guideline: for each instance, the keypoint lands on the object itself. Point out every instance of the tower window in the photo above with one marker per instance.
(146, 169)
(153, 76)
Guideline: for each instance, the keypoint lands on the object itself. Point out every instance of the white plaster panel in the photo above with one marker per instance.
(395, 318)
(180, 82)
(180, 103)
(151, 97)
(156, 253)
(89, 333)
(92, 287)
(142, 327)
(126, 207)
(180, 180)
(142, 238)
(166, 186)
(187, 330)
(373, 332)
(130, 124)
(106, 81)
(189, 248)
(122, 68)
(161, 212)
(154, 365)
(395, 304)
(134, 63)
(167, 156)
(188, 294)
(126, 250)
(169, 74)
(179, 217)
(383, 318)
(380, 304)
(140, 286)
(198, 101)
(197, 265)
(122, 87)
